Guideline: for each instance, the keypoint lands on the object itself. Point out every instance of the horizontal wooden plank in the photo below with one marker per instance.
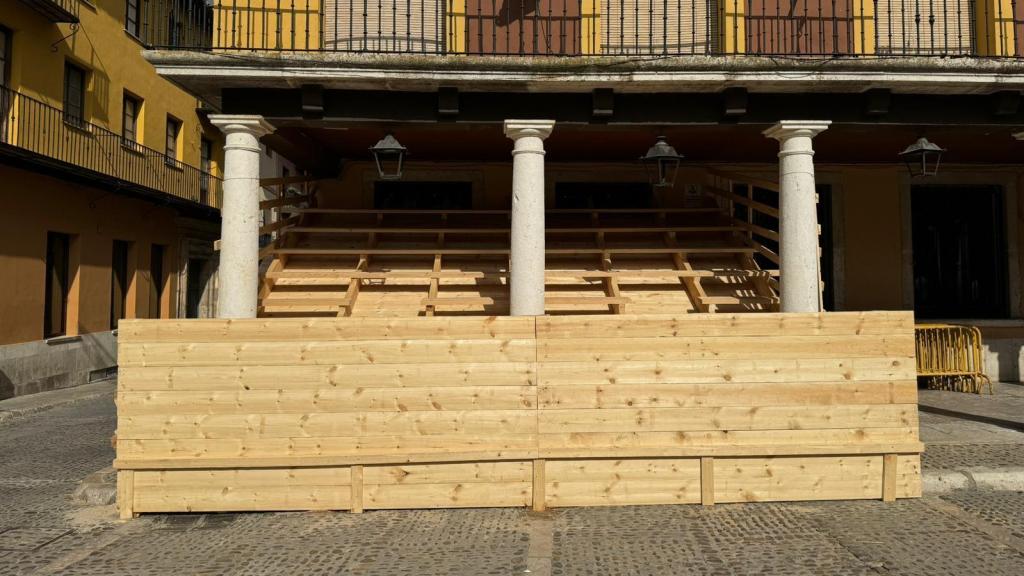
(585, 300)
(650, 444)
(324, 329)
(320, 353)
(797, 478)
(342, 450)
(689, 395)
(182, 460)
(729, 418)
(897, 346)
(615, 492)
(454, 495)
(308, 377)
(341, 275)
(245, 478)
(461, 473)
(775, 325)
(697, 250)
(451, 398)
(908, 476)
(214, 498)
(836, 369)
(323, 425)
(506, 230)
(621, 469)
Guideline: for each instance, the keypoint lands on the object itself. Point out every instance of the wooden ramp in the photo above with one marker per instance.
(358, 413)
(425, 263)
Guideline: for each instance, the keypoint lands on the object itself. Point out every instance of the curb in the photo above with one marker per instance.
(976, 478)
(1001, 422)
(21, 406)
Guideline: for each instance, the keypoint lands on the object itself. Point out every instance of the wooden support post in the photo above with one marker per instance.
(539, 504)
(707, 481)
(126, 494)
(692, 284)
(435, 281)
(357, 489)
(889, 462)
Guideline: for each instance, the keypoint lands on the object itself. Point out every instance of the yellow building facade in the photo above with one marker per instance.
(115, 165)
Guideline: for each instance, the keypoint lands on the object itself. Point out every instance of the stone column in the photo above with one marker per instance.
(240, 214)
(798, 214)
(526, 263)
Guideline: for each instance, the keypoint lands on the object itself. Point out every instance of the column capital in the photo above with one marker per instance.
(253, 124)
(516, 129)
(786, 129)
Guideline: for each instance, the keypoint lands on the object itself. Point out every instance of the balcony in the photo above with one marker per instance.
(37, 131)
(56, 10)
(797, 28)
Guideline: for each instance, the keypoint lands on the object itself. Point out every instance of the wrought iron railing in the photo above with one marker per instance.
(56, 10)
(34, 126)
(591, 27)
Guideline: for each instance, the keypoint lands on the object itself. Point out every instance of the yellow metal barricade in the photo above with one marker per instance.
(949, 357)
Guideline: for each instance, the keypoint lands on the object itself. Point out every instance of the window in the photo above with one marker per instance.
(131, 17)
(205, 164)
(157, 280)
(130, 121)
(5, 56)
(5, 78)
(173, 135)
(119, 282)
(74, 94)
(57, 276)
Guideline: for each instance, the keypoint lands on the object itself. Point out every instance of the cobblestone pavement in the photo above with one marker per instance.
(43, 456)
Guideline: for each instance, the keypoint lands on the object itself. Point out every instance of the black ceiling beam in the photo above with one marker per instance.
(285, 105)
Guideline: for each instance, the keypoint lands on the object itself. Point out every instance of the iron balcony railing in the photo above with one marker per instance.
(56, 10)
(34, 126)
(592, 27)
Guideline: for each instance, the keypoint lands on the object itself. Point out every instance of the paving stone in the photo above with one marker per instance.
(958, 456)
(1005, 509)
(51, 452)
(29, 538)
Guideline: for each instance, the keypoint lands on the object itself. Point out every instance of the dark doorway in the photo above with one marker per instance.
(389, 195)
(959, 245)
(157, 280)
(195, 280)
(799, 27)
(603, 195)
(523, 27)
(119, 279)
(58, 276)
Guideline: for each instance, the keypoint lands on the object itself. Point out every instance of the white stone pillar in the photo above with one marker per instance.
(240, 214)
(526, 263)
(798, 215)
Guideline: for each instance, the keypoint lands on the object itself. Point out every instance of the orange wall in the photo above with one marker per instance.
(32, 205)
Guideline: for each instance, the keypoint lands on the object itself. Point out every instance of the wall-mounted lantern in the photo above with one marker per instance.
(389, 155)
(661, 163)
(922, 158)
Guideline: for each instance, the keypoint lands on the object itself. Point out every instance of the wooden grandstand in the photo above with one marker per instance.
(365, 262)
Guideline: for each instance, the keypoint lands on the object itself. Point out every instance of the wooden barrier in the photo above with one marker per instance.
(372, 413)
